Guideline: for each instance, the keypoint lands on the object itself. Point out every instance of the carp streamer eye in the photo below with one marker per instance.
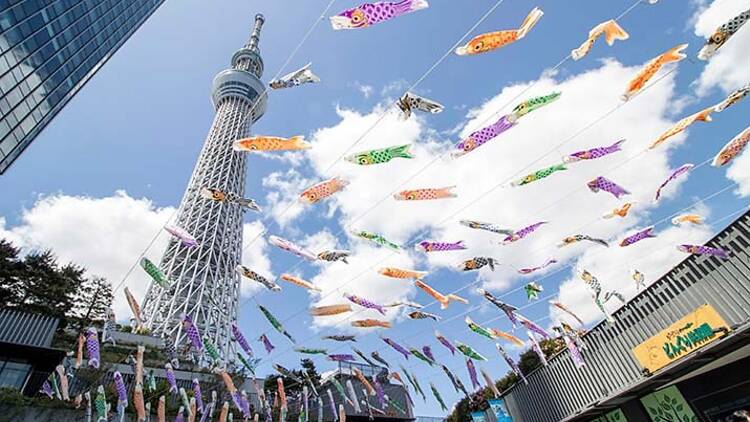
(358, 16)
(478, 46)
(411, 197)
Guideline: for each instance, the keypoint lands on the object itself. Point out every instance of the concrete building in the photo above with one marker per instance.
(49, 49)
(678, 351)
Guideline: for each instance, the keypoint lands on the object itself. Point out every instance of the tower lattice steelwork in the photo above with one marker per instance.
(204, 284)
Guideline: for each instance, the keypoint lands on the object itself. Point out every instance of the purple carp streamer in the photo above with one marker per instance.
(703, 250)
(606, 185)
(683, 169)
(185, 238)
(430, 246)
(292, 247)
(171, 380)
(511, 363)
(266, 343)
(520, 234)
(92, 347)
(397, 347)
(445, 342)
(533, 327)
(472, 374)
(364, 303)
(646, 233)
(482, 136)
(122, 393)
(241, 340)
(594, 153)
(368, 14)
(540, 267)
(192, 333)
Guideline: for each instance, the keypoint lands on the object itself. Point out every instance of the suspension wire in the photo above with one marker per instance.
(385, 112)
(588, 126)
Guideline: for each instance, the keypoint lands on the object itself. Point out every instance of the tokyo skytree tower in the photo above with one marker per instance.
(203, 282)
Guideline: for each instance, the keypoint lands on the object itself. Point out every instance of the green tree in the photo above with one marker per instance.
(312, 372)
(528, 362)
(10, 270)
(37, 283)
(93, 298)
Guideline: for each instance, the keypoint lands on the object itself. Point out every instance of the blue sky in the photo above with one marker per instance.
(138, 126)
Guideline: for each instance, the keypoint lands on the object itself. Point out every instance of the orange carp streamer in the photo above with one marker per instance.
(330, 310)
(649, 70)
(612, 32)
(444, 300)
(270, 143)
(369, 322)
(402, 273)
(425, 194)
(701, 116)
(494, 40)
(619, 212)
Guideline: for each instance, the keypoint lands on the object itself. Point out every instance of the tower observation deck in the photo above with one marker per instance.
(204, 284)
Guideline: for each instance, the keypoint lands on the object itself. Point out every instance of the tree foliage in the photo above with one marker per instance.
(527, 362)
(37, 283)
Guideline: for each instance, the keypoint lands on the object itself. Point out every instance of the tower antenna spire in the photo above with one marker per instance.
(252, 43)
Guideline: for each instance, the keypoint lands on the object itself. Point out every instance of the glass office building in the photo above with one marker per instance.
(48, 50)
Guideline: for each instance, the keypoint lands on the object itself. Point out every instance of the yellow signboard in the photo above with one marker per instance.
(690, 333)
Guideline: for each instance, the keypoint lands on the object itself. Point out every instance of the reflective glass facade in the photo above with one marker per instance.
(48, 50)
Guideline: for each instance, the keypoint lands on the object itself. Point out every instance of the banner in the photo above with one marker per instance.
(478, 417)
(498, 408)
(690, 333)
(668, 404)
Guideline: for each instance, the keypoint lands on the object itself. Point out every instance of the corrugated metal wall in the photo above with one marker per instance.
(560, 390)
(26, 329)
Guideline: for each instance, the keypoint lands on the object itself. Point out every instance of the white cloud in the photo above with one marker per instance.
(284, 189)
(255, 256)
(739, 171)
(107, 235)
(366, 90)
(726, 70)
(562, 199)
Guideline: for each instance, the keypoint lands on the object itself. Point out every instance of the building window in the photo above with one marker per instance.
(13, 374)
